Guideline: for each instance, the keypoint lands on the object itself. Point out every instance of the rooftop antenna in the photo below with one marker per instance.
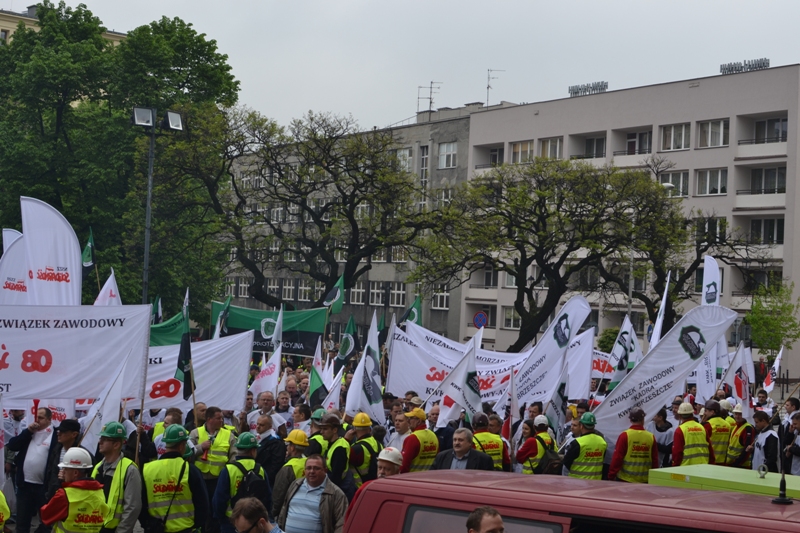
(489, 79)
(433, 88)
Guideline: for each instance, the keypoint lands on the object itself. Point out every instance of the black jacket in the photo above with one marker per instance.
(271, 456)
(475, 461)
(445, 436)
(20, 445)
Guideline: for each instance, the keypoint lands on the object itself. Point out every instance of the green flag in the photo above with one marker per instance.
(317, 391)
(168, 332)
(413, 313)
(184, 371)
(223, 315)
(88, 255)
(335, 297)
(348, 347)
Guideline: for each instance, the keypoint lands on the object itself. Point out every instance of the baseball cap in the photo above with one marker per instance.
(69, 425)
(540, 420)
(417, 413)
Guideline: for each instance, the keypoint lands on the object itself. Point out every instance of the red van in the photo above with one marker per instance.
(439, 501)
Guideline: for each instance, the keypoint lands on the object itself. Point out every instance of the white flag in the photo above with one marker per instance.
(317, 361)
(655, 336)
(658, 378)
(739, 379)
(626, 354)
(364, 394)
(707, 371)
(104, 410)
(462, 383)
(712, 284)
(267, 378)
(579, 365)
(9, 236)
(335, 392)
(277, 333)
(14, 281)
(769, 381)
(109, 295)
(55, 267)
(3, 437)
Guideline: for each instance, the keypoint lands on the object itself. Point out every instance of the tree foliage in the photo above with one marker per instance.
(773, 317)
(606, 340)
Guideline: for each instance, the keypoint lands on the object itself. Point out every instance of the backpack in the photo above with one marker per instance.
(252, 485)
(551, 462)
(372, 472)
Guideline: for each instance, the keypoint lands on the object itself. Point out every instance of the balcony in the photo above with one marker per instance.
(483, 168)
(487, 293)
(759, 199)
(762, 148)
(630, 158)
(597, 159)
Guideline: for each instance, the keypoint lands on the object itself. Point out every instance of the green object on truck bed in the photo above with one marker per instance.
(713, 477)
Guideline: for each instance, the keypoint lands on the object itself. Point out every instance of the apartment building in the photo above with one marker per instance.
(9, 20)
(733, 140)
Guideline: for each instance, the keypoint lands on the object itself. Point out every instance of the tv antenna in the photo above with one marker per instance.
(433, 88)
(489, 79)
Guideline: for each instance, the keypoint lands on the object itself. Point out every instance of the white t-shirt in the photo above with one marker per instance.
(397, 440)
(149, 421)
(252, 421)
(36, 458)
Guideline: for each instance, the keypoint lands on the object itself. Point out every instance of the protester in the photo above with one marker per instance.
(389, 462)
(718, 429)
(421, 446)
(765, 447)
(584, 457)
(462, 456)
(490, 444)
(764, 403)
(67, 435)
(301, 418)
(364, 451)
(314, 502)
(402, 431)
(536, 440)
(691, 443)
(296, 448)
(337, 466)
(635, 453)
(214, 445)
(742, 437)
(444, 434)
(316, 442)
(230, 480)
(250, 515)
(121, 480)
(792, 449)
(271, 451)
(663, 430)
(79, 497)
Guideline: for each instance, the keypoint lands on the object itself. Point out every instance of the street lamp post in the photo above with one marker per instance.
(146, 117)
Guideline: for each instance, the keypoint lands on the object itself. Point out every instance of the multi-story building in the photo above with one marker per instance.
(734, 143)
(9, 20)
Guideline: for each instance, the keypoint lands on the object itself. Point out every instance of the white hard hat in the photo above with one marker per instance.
(540, 420)
(685, 409)
(76, 457)
(738, 408)
(392, 455)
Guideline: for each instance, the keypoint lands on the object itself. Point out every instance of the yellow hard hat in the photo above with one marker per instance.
(297, 437)
(362, 421)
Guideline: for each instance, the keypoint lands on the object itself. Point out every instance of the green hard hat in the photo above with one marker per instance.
(174, 434)
(318, 414)
(189, 453)
(587, 419)
(246, 441)
(113, 430)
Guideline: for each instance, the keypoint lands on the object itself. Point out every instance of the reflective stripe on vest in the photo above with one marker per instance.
(158, 429)
(695, 444)
(218, 453)
(735, 447)
(490, 444)
(298, 465)
(116, 494)
(323, 444)
(720, 437)
(361, 472)
(161, 482)
(339, 443)
(236, 478)
(638, 459)
(428, 448)
(87, 511)
(530, 465)
(589, 464)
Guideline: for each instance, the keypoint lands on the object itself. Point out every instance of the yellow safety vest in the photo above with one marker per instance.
(236, 478)
(161, 482)
(491, 445)
(298, 465)
(720, 436)
(87, 511)
(116, 493)
(589, 464)
(731, 422)
(362, 471)
(5, 512)
(158, 429)
(530, 465)
(339, 443)
(638, 459)
(735, 448)
(695, 445)
(218, 453)
(428, 448)
(323, 444)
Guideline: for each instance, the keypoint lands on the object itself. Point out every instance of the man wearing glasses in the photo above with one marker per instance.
(250, 516)
(313, 503)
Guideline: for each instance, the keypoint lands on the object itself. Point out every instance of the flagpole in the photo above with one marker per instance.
(98, 278)
(194, 402)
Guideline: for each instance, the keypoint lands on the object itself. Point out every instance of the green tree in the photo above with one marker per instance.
(773, 317)
(606, 340)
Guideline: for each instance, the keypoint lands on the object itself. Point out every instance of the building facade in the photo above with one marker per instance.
(9, 20)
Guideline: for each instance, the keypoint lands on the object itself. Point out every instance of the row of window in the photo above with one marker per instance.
(396, 254)
(715, 181)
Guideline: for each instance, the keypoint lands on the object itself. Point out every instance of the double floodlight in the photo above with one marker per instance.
(146, 117)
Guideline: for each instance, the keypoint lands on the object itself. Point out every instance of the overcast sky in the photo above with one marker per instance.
(368, 57)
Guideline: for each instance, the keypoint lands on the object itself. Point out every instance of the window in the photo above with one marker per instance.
(511, 319)
(639, 281)
(713, 133)
(379, 256)
(303, 290)
(522, 152)
(441, 297)
(444, 196)
(319, 289)
(536, 273)
(496, 156)
(448, 153)
(511, 280)
(712, 181)
(489, 277)
(638, 143)
(404, 159)
(230, 286)
(340, 254)
(294, 213)
(698, 280)
(768, 180)
(762, 278)
(679, 181)
(275, 246)
(710, 229)
(273, 287)
(289, 256)
(491, 313)
(362, 211)
(595, 147)
(588, 278)
(288, 289)
(638, 321)
(244, 283)
(3, 37)
(423, 176)
(772, 130)
(551, 148)
(277, 215)
(357, 293)
(766, 231)
(397, 294)
(675, 137)
(232, 254)
(376, 293)
(399, 254)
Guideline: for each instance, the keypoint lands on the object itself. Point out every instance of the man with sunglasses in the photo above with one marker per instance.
(250, 516)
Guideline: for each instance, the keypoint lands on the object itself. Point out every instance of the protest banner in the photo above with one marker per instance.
(365, 392)
(13, 273)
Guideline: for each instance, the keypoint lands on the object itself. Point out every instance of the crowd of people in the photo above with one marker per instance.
(291, 466)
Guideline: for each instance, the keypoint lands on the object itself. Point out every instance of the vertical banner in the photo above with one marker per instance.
(706, 380)
(739, 379)
(55, 268)
(332, 399)
(267, 378)
(105, 409)
(579, 365)
(462, 383)
(365, 392)
(653, 382)
(627, 352)
(769, 381)
(9, 236)
(656, 335)
(109, 294)
(14, 274)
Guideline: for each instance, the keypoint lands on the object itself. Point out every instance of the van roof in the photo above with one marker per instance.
(561, 493)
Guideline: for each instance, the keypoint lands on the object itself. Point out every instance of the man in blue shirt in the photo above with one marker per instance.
(313, 503)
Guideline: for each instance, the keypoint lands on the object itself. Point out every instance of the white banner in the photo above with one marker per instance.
(9, 236)
(655, 336)
(55, 268)
(267, 377)
(769, 381)
(712, 285)
(104, 410)
(220, 369)
(657, 379)
(450, 351)
(706, 380)
(579, 365)
(69, 349)
(626, 354)
(109, 294)
(739, 379)
(556, 409)
(538, 377)
(364, 394)
(13, 274)
(3, 437)
(462, 383)
(332, 399)
(600, 365)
